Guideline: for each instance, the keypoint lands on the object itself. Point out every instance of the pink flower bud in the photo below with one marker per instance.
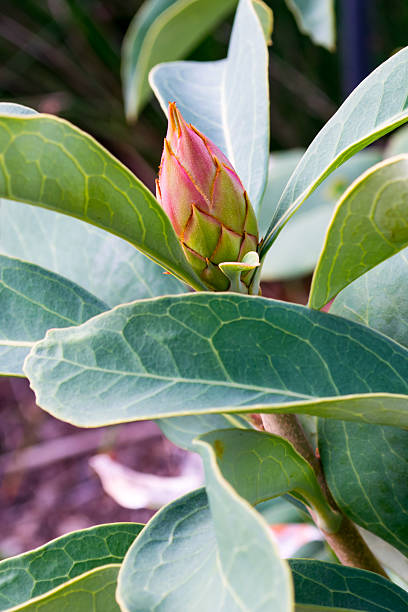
(205, 201)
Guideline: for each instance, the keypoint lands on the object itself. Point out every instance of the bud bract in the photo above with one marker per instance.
(205, 201)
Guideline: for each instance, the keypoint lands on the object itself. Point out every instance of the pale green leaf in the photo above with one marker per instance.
(215, 564)
(283, 510)
(108, 267)
(32, 300)
(164, 30)
(328, 586)
(38, 571)
(368, 226)
(48, 162)
(260, 466)
(208, 353)
(306, 229)
(182, 430)
(228, 100)
(315, 18)
(379, 299)
(90, 592)
(377, 106)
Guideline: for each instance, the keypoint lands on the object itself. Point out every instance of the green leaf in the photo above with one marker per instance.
(48, 162)
(282, 510)
(260, 466)
(39, 571)
(368, 226)
(280, 167)
(216, 98)
(379, 299)
(365, 467)
(315, 18)
(91, 592)
(164, 30)
(182, 430)
(108, 267)
(250, 354)
(31, 301)
(377, 106)
(184, 554)
(329, 586)
(308, 226)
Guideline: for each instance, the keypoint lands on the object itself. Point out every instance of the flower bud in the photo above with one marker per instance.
(205, 201)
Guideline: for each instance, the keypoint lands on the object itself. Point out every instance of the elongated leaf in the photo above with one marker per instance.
(306, 229)
(315, 18)
(366, 465)
(161, 573)
(328, 586)
(379, 299)
(90, 592)
(377, 106)
(34, 573)
(183, 430)
(228, 100)
(260, 466)
(48, 162)
(164, 30)
(368, 226)
(110, 268)
(208, 353)
(31, 301)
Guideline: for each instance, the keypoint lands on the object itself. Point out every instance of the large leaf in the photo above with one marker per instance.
(228, 100)
(32, 300)
(105, 265)
(260, 466)
(328, 586)
(90, 592)
(315, 18)
(215, 563)
(36, 572)
(366, 465)
(183, 430)
(207, 353)
(368, 226)
(48, 162)
(377, 106)
(306, 229)
(163, 30)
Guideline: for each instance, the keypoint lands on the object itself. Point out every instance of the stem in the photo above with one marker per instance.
(347, 543)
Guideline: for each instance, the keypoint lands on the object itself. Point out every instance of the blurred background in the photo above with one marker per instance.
(64, 57)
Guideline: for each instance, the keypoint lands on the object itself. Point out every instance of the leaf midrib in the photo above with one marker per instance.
(183, 380)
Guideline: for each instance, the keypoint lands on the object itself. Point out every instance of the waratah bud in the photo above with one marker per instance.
(205, 201)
